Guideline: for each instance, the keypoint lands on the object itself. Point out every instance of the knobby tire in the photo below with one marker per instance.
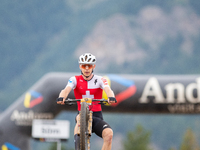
(84, 126)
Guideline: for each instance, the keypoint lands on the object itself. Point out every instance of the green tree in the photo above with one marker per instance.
(189, 141)
(54, 147)
(139, 139)
(172, 148)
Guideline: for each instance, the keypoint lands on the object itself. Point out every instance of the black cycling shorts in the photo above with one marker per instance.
(98, 124)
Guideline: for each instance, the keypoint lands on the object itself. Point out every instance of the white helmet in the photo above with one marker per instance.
(87, 58)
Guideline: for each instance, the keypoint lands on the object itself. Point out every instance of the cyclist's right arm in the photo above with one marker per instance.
(65, 92)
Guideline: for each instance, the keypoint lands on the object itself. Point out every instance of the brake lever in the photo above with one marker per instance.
(70, 104)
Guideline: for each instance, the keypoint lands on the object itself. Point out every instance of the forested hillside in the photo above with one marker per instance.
(133, 37)
(127, 37)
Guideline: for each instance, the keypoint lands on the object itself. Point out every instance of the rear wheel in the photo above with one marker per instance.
(84, 126)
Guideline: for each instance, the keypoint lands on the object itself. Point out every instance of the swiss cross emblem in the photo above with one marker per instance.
(88, 95)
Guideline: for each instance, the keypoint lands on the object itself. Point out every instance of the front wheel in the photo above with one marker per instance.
(84, 126)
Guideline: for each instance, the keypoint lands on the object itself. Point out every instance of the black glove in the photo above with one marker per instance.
(113, 99)
(59, 99)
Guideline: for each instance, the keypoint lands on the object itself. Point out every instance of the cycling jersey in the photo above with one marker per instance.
(88, 89)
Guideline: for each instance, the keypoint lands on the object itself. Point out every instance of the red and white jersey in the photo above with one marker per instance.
(88, 89)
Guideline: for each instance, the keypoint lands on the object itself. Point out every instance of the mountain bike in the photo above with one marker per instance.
(85, 120)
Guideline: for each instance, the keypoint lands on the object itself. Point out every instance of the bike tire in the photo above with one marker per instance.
(84, 126)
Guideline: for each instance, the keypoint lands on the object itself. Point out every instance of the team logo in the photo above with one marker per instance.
(130, 91)
(95, 82)
(105, 82)
(70, 81)
(8, 146)
(32, 98)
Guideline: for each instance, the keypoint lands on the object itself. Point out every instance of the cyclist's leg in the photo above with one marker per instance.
(107, 136)
(76, 137)
(103, 130)
(77, 122)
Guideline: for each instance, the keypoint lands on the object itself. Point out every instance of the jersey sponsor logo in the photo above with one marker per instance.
(70, 81)
(95, 81)
(105, 82)
(123, 95)
(9, 146)
(32, 98)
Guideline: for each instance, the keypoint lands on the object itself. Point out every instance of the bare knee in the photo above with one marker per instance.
(77, 117)
(77, 123)
(107, 135)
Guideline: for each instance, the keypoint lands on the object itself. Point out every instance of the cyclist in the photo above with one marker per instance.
(88, 85)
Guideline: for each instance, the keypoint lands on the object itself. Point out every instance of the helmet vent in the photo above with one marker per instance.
(85, 57)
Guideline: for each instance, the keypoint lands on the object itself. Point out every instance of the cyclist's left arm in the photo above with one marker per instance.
(110, 94)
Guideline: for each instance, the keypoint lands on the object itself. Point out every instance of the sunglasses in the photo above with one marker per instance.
(86, 66)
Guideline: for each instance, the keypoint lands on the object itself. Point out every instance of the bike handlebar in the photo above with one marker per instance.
(73, 101)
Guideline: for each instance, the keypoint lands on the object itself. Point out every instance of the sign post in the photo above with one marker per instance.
(51, 130)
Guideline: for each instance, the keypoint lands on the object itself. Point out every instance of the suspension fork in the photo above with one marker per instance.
(90, 123)
(89, 128)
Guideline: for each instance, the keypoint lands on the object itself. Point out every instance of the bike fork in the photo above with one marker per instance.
(89, 128)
